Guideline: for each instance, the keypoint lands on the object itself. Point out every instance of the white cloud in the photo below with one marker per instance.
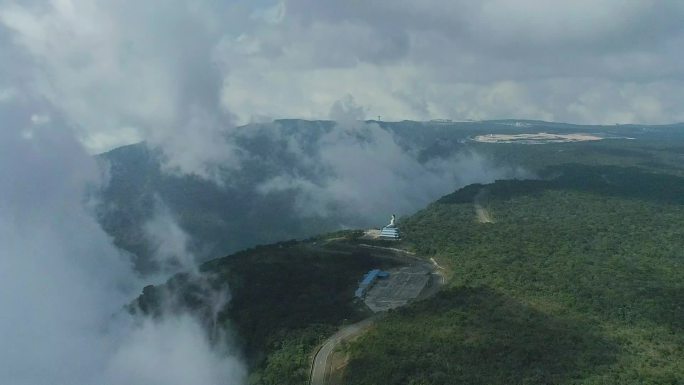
(6, 94)
(63, 284)
(359, 171)
(420, 60)
(169, 244)
(274, 14)
(119, 77)
(182, 81)
(171, 351)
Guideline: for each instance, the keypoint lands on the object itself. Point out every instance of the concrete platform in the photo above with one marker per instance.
(371, 234)
(402, 286)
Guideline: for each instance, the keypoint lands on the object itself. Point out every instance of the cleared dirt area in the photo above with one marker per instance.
(371, 234)
(481, 213)
(537, 138)
(402, 286)
(417, 280)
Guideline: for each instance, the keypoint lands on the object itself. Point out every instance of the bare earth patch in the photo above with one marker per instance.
(538, 138)
(482, 214)
(371, 234)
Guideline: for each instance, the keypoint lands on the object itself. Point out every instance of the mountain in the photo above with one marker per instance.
(285, 299)
(299, 178)
(577, 277)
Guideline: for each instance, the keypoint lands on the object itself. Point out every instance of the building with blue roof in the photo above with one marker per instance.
(368, 280)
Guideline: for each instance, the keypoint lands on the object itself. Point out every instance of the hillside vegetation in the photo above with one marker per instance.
(285, 299)
(580, 280)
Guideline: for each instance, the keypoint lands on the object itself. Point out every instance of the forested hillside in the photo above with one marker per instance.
(283, 300)
(576, 276)
(579, 280)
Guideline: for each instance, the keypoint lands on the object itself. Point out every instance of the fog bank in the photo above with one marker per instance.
(63, 284)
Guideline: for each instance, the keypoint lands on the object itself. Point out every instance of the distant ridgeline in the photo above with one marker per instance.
(225, 219)
(605, 180)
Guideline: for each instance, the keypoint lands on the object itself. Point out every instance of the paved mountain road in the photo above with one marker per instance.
(320, 370)
(322, 358)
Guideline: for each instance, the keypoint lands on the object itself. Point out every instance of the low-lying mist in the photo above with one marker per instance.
(292, 179)
(358, 174)
(64, 286)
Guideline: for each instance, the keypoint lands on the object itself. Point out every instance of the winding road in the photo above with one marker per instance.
(321, 362)
(320, 370)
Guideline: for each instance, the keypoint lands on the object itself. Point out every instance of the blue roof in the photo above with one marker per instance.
(369, 277)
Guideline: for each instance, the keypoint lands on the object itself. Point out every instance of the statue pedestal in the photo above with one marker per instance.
(389, 232)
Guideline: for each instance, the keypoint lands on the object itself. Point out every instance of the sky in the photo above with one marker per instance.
(78, 77)
(127, 71)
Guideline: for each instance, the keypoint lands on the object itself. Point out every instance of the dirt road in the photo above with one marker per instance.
(483, 215)
(320, 371)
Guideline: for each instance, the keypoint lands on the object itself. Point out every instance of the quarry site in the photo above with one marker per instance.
(538, 138)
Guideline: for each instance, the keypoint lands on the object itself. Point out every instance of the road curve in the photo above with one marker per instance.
(319, 371)
(320, 368)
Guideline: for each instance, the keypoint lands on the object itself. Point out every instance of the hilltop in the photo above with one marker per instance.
(576, 275)
(285, 299)
(579, 279)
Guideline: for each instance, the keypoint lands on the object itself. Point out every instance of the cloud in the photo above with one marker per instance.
(171, 351)
(361, 173)
(409, 60)
(62, 283)
(120, 78)
(6, 94)
(181, 75)
(169, 243)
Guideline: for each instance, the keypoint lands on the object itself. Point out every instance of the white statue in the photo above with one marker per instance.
(392, 221)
